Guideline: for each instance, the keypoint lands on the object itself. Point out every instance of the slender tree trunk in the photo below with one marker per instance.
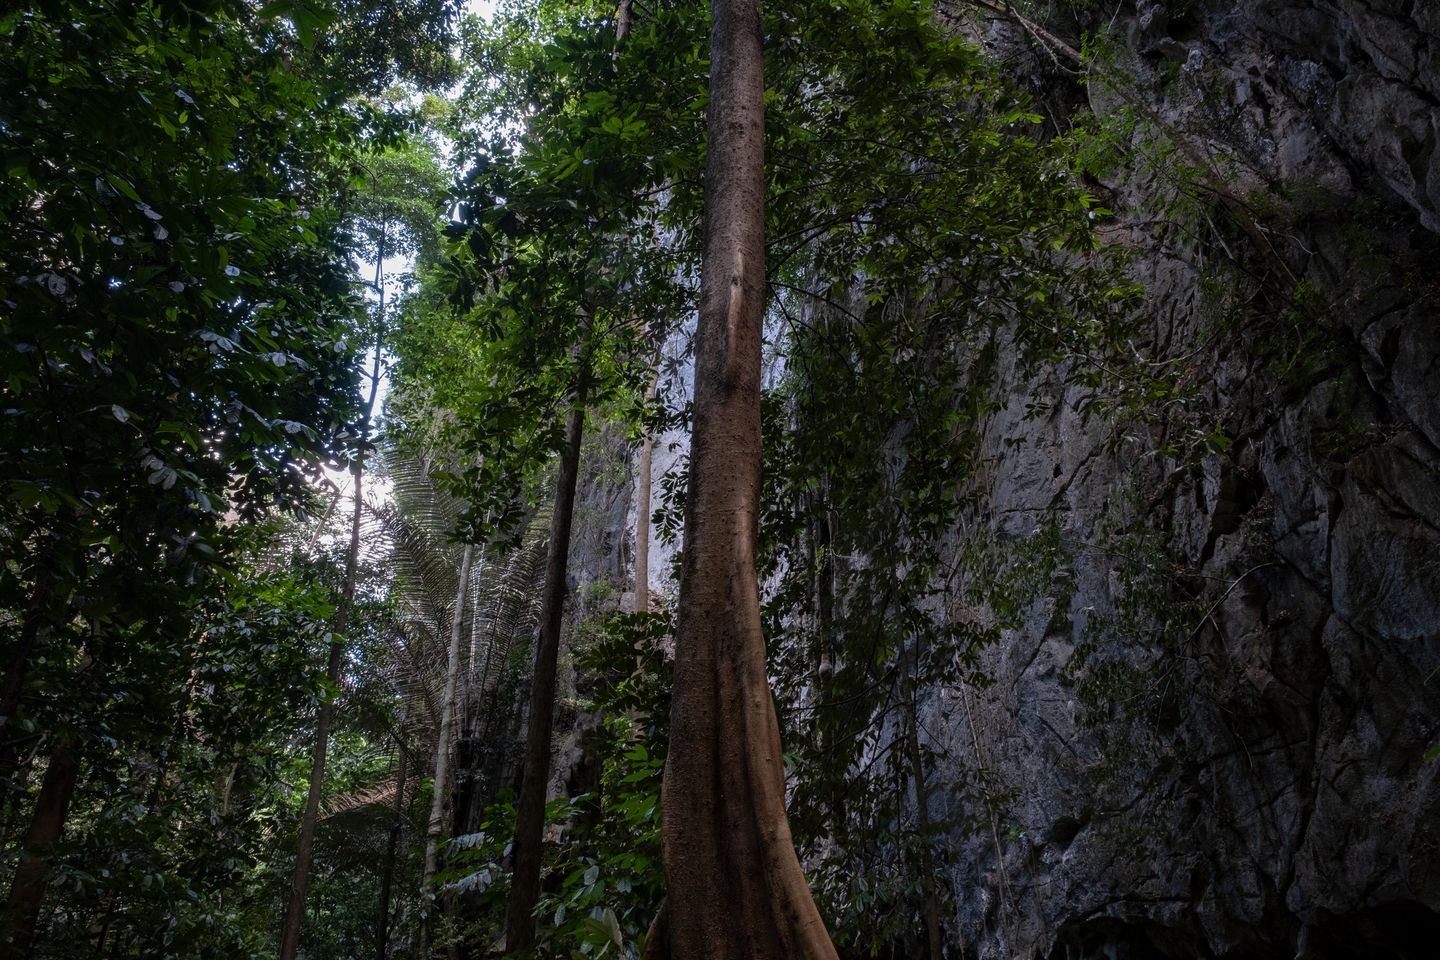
(642, 508)
(225, 786)
(624, 19)
(387, 874)
(735, 890)
(330, 506)
(927, 859)
(466, 791)
(465, 796)
(435, 825)
(27, 890)
(824, 595)
(825, 579)
(530, 810)
(922, 808)
(304, 849)
(105, 925)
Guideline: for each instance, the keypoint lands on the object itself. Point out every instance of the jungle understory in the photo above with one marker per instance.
(915, 479)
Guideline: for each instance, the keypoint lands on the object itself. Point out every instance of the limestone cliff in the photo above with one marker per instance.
(1248, 778)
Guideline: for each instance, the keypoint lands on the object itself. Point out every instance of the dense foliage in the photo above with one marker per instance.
(181, 336)
(224, 217)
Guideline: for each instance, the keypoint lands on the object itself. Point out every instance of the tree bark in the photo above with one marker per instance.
(530, 809)
(305, 846)
(224, 786)
(922, 808)
(825, 583)
(642, 508)
(624, 19)
(735, 890)
(27, 890)
(387, 873)
(435, 825)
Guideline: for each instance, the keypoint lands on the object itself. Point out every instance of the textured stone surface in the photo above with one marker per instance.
(1262, 789)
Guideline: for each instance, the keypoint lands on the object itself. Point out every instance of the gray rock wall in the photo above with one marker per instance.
(1216, 724)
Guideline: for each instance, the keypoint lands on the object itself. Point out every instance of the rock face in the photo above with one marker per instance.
(1216, 724)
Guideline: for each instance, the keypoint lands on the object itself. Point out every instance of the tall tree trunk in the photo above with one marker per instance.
(27, 890)
(387, 873)
(530, 810)
(435, 825)
(305, 846)
(735, 890)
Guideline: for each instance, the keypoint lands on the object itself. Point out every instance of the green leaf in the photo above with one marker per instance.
(612, 926)
(122, 185)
